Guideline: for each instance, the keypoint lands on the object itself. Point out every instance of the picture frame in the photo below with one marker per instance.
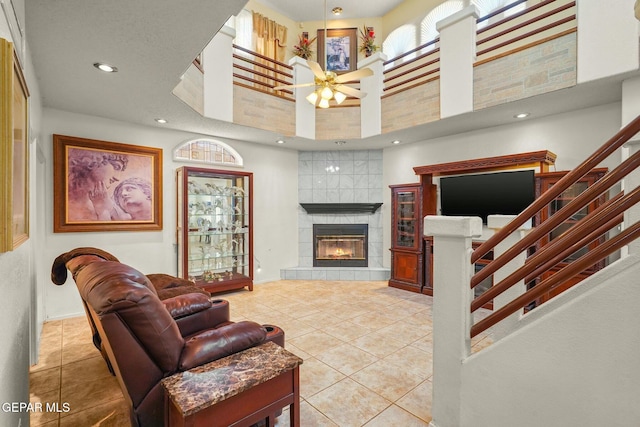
(14, 155)
(339, 51)
(105, 186)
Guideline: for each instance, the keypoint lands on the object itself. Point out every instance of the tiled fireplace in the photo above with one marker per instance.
(340, 245)
(339, 188)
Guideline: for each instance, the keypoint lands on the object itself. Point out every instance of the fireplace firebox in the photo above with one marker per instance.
(340, 245)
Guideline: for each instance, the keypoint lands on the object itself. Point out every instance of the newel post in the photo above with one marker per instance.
(305, 111)
(496, 222)
(452, 295)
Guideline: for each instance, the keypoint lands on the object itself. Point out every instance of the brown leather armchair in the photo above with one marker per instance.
(141, 337)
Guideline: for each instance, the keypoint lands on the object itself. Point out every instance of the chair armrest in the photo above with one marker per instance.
(214, 344)
(213, 317)
(186, 304)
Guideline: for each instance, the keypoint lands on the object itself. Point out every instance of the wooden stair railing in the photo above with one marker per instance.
(589, 228)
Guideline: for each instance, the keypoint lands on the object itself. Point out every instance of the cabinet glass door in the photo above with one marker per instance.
(406, 219)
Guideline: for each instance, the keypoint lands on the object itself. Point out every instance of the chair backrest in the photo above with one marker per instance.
(141, 338)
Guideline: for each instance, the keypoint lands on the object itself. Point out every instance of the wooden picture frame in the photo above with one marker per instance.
(14, 153)
(105, 186)
(339, 52)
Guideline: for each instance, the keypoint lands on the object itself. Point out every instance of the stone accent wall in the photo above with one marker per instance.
(411, 107)
(339, 177)
(539, 69)
(263, 111)
(337, 123)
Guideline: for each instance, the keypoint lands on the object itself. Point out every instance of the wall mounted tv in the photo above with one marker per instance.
(505, 193)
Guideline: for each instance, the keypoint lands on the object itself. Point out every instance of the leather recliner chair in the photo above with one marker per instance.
(141, 338)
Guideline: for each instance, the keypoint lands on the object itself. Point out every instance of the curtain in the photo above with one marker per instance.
(269, 39)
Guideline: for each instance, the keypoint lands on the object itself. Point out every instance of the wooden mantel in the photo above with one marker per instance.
(542, 159)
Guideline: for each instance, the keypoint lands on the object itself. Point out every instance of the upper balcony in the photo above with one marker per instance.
(553, 56)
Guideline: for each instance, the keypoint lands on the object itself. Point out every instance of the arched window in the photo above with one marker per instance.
(428, 30)
(399, 41)
(243, 24)
(485, 7)
(207, 151)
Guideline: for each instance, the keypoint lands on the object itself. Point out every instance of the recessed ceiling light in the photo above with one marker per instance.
(395, 142)
(341, 142)
(105, 67)
(336, 10)
(162, 121)
(280, 141)
(521, 115)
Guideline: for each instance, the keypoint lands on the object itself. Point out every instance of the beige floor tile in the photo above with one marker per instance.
(92, 369)
(394, 416)
(110, 414)
(379, 345)
(348, 403)
(316, 376)
(82, 395)
(78, 350)
(413, 360)
(347, 358)
(346, 331)
(38, 418)
(388, 379)
(418, 401)
(316, 342)
(44, 380)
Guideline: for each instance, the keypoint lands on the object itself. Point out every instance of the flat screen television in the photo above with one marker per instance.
(505, 193)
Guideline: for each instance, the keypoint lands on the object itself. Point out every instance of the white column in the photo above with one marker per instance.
(457, 55)
(217, 61)
(630, 110)
(305, 111)
(607, 39)
(371, 105)
(497, 222)
(452, 271)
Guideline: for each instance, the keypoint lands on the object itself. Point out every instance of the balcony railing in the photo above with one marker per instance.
(261, 73)
(410, 73)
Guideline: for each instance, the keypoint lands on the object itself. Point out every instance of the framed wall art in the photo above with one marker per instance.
(14, 155)
(105, 186)
(339, 51)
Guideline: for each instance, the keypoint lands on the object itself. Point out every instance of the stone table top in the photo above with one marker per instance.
(198, 388)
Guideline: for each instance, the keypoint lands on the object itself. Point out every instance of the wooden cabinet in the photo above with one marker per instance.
(407, 254)
(215, 228)
(544, 181)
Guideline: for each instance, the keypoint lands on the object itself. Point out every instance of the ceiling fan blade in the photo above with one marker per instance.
(317, 70)
(356, 93)
(354, 75)
(292, 86)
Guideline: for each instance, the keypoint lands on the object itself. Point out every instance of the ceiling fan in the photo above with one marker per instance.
(330, 85)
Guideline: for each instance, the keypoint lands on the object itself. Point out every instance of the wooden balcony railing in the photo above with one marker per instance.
(539, 23)
(423, 68)
(593, 226)
(261, 73)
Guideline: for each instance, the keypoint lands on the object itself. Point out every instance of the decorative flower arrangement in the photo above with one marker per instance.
(303, 48)
(367, 41)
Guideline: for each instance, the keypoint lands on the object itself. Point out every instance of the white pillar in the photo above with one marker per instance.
(607, 39)
(305, 112)
(497, 222)
(452, 271)
(371, 105)
(630, 110)
(217, 61)
(457, 55)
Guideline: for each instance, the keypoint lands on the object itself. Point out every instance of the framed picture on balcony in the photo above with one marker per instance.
(105, 186)
(338, 52)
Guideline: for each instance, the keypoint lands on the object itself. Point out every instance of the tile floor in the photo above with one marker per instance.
(366, 347)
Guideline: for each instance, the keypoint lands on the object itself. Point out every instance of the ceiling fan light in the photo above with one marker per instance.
(339, 97)
(312, 98)
(324, 103)
(326, 93)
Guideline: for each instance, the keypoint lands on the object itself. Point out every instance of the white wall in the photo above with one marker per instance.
(572, 136)
(578, 366)
(275, 206)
